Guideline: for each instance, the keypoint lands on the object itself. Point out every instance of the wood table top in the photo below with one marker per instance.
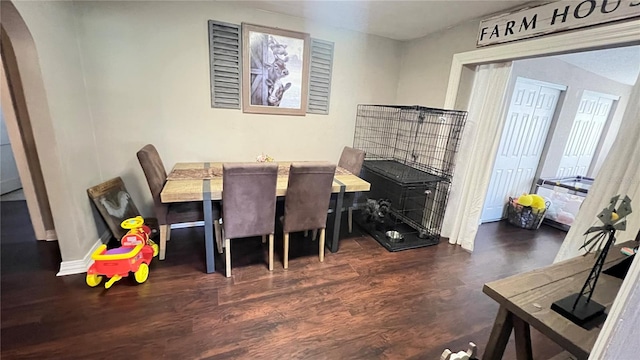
(185, 181)
(530, 295)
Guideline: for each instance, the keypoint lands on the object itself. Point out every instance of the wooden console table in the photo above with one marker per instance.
(525, 300)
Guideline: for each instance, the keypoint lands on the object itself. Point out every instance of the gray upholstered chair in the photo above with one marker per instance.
(172, 213)
(248, 204)
(307, 201)
(351, 160)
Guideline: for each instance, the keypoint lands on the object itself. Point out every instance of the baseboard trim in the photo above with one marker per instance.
(187, 225)
(80, 266)
(12, 184)
(50, 235)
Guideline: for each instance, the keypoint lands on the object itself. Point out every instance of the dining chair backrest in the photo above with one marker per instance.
(156, 175)
(352, 160)
(249, 199)
(308, 195)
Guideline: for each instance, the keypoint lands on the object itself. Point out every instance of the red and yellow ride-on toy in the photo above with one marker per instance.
(134, 256)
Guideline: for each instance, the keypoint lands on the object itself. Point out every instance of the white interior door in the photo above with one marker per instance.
(530, 114)
(589, 122)
(9, 178)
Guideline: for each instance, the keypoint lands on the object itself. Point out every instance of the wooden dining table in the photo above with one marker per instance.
(202, 181)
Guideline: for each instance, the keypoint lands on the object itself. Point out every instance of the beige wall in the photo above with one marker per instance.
(70, 146)
(119, 75)
(426, 62)
(577, 80)
(147, 74)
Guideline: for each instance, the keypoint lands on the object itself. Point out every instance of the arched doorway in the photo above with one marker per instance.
(25, 110)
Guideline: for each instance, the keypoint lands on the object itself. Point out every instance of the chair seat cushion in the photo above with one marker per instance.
(189, 212)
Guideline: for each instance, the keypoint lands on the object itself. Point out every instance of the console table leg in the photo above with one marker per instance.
(499, 335)
(523, 339)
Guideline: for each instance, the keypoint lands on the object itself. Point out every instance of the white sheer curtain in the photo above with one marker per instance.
(620, 174)
(478, 149)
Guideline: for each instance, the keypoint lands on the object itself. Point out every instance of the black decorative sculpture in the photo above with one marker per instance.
(578, 307)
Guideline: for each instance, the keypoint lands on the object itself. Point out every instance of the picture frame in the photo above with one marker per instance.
(275, 70)
(114, 204)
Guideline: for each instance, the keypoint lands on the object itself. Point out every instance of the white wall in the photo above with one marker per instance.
(425, 64)
(147, 75)
(577, 81)
(53, 27)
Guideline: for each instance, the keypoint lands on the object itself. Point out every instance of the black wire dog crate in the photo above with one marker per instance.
(409, 164)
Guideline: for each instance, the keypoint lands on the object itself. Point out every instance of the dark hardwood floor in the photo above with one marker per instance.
(362, 302)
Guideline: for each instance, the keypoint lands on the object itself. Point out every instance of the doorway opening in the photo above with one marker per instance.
(465, 214)
(24, 196)
(10, 184)
(557, 135)
(24, 161)
(24, 217)
(529, 116)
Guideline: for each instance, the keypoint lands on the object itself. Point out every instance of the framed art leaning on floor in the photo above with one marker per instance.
(114, 203)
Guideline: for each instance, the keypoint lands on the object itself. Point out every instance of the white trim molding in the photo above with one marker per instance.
(602, 95)
(13, 183)
(50, 235)
(541, 83)
(614, 35)
(80, 266)
(621, 327)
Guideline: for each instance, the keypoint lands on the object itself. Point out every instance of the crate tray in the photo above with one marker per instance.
(410, 241)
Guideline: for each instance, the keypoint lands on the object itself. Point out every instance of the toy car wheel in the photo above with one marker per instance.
(93, 280)
(142, 274)
(155, 250)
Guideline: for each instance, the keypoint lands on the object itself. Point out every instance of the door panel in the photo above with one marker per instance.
(522, 141)
(534, 143)
(600, 116)
(589, 122)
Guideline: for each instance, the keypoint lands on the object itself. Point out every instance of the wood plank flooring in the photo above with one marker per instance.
(361, 303)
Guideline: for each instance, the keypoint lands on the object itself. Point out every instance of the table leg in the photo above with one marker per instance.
(499, 335)
(338, 218)
(208, 226)
(522, 334)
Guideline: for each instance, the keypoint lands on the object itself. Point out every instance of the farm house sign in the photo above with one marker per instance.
(554, 17)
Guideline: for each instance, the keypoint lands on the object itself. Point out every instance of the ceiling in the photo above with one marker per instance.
(394, 19)
(619, 64)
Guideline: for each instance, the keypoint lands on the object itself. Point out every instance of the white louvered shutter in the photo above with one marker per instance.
(320, 76)
(225, 49)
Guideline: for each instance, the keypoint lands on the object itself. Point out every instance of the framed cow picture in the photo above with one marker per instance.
(275, 76)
